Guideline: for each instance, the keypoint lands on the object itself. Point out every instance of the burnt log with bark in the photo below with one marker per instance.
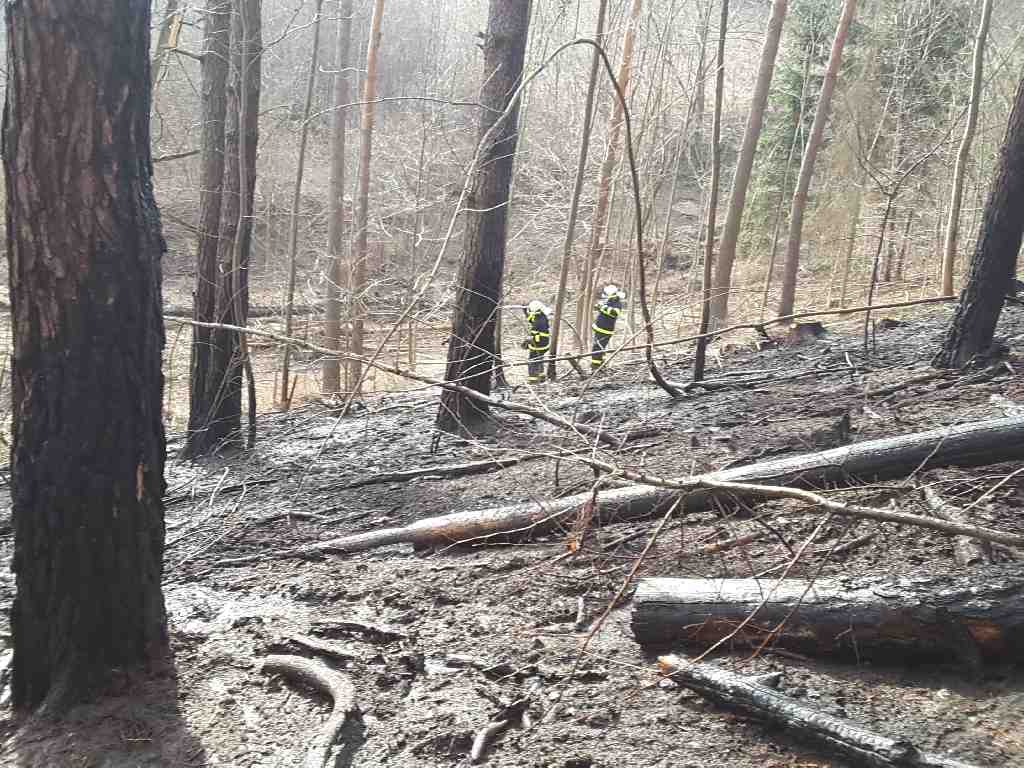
(965, 445)
(967, 616)
(856, 743)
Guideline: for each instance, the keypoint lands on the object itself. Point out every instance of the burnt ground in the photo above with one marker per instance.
(452, 636)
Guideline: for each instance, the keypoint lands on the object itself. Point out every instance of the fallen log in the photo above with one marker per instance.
(966, 551)
(336, 685)
(982, 442)
(966, 617)
(834, 734)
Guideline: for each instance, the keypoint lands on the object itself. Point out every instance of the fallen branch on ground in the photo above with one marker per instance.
(971, 444)
(966, 551)
(328, 681)
(832, 733)
(962, 616)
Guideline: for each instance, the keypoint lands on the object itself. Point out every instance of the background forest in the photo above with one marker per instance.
(896, 122)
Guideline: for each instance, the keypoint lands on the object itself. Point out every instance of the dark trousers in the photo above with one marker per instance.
(600, 347)
(535, 367)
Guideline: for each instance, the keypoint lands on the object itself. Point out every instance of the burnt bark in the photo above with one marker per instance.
(216, 49)
(471, 352)
(222, 396)
(995, 254)
(963, 616)
(834, 734)
(84, 243)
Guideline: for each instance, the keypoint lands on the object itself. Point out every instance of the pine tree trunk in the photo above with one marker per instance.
(962, 155)
(214, 109)
(85, 251)
(995, 255)
(814, 140)
(357, 284)
(293, 233)
(744, 166)
(336, 217)
(471, 345)
(216, 417)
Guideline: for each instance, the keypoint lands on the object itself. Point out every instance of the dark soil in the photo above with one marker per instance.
(452, 637)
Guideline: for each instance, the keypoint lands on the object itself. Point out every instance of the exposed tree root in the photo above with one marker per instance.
(326, 680)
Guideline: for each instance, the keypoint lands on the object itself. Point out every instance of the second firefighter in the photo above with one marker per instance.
(608, 310)
(538, 341)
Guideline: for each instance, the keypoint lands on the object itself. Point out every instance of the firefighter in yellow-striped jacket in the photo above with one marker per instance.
(608, 310)
(539, 339)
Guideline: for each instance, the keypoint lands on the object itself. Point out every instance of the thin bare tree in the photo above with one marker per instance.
(962, 155)
(336, 202)
(293, 233)
(574, 205)
(716, 170)
(744, 166)
(814, 140)
(599, 223)
(357, 275)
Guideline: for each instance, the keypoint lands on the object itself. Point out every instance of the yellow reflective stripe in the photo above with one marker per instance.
(539, 349)
(602, 330)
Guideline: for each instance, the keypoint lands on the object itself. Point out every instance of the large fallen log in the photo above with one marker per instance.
(861, 746)
(965, 445)
(961, 616)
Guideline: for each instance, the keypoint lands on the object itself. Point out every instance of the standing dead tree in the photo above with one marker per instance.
(84, 242)
(471, 344)
(994, 263)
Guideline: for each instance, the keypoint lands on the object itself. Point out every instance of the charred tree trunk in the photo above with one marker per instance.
(471, 346)
(336, 222)
(216, 49)
(995, 254)
(963, 616)
(223, 395)
(84, 243)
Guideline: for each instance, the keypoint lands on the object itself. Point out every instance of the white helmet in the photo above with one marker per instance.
(611, 290)
(536, 306)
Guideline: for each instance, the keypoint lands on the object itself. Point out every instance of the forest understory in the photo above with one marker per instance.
(438, 643)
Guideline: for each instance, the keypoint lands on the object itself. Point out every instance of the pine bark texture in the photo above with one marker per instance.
(336, 220)
(84, 243)
(216, 55)
(745, 165)
(814, 142)
(471, 345)
(222, 392)
(995, 255)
